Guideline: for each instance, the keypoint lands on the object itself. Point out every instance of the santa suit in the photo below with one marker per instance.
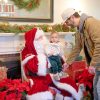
(35, 64)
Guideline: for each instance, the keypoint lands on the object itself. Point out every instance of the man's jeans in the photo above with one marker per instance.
(96, 86)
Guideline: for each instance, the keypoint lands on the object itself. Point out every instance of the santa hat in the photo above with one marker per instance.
(30, 36)
(30, 53)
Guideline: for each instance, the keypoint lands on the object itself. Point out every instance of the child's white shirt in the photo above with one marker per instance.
(53, 47)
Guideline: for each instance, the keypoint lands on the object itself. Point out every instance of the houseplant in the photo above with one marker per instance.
(13, 89)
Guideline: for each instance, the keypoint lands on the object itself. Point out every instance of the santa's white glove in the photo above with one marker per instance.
(31, 82)
(91, 70)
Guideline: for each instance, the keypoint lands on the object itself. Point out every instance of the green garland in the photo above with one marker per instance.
(7, 28)
(29, 5)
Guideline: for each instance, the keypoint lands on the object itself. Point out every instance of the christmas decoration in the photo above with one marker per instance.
(7, 28)
(28, 5)
(49, 28)
(13, 89)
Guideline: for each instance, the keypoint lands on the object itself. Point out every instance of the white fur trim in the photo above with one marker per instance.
(59, 96)
(66, 87)
(68, 98)
(27, 59)
(42, 63)
(81, 90)
(40, 96)
(55, 89)
(39, 33)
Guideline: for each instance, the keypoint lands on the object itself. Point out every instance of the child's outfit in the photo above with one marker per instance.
(54, 53)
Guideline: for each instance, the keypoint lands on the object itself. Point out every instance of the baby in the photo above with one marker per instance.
(55, 39)
(55, 55)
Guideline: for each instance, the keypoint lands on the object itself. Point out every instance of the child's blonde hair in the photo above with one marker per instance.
(54, 32)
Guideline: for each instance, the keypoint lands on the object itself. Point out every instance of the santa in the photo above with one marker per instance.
(35, 70)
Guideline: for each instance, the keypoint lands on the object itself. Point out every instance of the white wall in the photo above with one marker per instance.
(13, 43)
(91, 7)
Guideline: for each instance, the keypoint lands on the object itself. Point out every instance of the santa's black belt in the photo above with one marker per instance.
(32, 74)
(35, 74)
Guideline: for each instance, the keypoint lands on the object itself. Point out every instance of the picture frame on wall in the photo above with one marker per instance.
(12, 10)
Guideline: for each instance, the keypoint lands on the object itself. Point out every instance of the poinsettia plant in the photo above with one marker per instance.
(13, 89)
(87, 79)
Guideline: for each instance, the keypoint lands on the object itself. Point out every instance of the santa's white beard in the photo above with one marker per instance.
(44, 41)
(40, 45)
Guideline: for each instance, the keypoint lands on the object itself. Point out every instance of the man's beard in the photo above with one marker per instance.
(72, 26)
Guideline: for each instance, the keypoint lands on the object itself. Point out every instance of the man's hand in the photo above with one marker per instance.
(91, 70)
(65, 66)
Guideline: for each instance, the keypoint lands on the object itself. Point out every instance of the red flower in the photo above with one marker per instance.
(2, 95)
(12, 89)
(86, 78)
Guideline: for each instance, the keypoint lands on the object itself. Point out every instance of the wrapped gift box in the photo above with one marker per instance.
(76, 68)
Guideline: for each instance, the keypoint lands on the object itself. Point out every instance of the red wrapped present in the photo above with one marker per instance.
(76, 68)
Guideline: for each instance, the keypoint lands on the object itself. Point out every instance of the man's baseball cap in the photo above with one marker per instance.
(67, 13)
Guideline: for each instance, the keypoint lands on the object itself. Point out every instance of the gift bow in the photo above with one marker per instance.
(86, 78)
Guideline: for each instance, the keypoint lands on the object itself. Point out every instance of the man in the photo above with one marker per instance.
(88, 38)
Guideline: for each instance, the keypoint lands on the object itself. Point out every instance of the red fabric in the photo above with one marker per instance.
(70, 81)
(29, 50)
(78, 65)
(32, 65)
(40, 82)
(29, 47)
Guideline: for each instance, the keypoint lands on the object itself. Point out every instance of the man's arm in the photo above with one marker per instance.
(75, 52)
(93, 28)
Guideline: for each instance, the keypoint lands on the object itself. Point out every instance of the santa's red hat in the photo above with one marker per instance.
(30, 36)
(30, 55)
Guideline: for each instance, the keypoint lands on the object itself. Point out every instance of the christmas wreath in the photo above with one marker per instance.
(27, 4)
